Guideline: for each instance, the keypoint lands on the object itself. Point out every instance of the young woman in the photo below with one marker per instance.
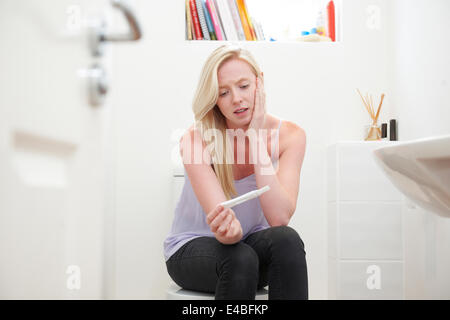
(235, 147)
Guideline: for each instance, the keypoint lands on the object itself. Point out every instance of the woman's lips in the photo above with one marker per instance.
(241, 113)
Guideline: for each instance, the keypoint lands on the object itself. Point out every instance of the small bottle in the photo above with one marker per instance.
(384, 131)
(331, 21)
(320, 23)
(393, 130)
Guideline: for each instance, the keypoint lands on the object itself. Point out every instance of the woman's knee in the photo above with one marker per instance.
(287, 237)
(240, 259)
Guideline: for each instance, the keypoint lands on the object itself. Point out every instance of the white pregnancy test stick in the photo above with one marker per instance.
(245, 197)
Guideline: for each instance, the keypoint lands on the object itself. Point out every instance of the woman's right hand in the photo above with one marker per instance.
(224, 224)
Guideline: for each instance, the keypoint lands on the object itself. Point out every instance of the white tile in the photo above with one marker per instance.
(332, 229)
(414, 241)
(370, 280)
(359, 177)
(331, 173)
(332, 278)
(370, 230)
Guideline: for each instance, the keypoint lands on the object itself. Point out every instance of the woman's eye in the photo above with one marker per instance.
(223, 93)
(244, 86)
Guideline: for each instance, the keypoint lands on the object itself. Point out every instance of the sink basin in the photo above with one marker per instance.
(420, 169)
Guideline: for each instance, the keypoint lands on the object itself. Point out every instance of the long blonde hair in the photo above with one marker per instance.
(208, 116)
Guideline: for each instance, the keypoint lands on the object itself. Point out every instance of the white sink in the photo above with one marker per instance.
(420, 169)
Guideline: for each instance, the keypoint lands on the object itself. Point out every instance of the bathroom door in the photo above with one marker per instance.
(53, 147)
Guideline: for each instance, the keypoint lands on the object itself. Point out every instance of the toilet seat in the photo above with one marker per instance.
(174, 292)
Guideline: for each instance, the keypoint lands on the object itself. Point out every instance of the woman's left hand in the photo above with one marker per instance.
(259, 107)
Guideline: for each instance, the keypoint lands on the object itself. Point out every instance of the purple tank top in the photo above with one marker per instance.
(190, 219)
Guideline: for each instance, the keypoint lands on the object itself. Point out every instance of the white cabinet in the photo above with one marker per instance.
(365, 247)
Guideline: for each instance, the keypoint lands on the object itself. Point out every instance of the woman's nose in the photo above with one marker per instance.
(236, 98)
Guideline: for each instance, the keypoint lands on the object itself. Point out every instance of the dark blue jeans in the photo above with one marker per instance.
(274, 257)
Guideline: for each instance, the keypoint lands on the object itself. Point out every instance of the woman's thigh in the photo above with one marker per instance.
(274, 242)
(198, 264)
(193, 266)
(282, 262)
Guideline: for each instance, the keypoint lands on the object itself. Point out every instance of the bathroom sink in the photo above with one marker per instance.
(420, 169)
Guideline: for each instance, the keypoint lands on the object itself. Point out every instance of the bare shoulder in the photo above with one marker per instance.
(291, 128)
(292, 135)
(189, 133)
(190, 130)
(192, 142)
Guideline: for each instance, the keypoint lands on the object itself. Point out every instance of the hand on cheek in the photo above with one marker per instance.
(259, 106)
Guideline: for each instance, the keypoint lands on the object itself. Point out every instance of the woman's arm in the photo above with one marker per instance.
(204, 182)
(280, 202)
(197, 162)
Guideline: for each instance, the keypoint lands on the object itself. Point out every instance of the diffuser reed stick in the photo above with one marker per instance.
(374, 132)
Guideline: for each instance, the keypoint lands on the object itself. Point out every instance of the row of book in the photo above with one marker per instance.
(221, 20)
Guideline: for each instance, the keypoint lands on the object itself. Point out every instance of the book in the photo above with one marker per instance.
(241, 8)
(253, 24)
(201, 18)
(192, 27)
(196, 21)
(214, 19)
(224, 36)
(219, 18)
(227, 20)
(188, 21)
(261, 31)
(236, 19)
(258, 30)
(250, 24)
(209, 24)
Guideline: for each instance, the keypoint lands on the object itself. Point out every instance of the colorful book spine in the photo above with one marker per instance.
(221, 25)
(252, 29)
(260, 30)
(214, 19)
(209, 24)
(188, 21)
(196, 21)
(219, 18)
(201, 18)
(236, 19)
(227, 20)
(255, 25)
(245, 25)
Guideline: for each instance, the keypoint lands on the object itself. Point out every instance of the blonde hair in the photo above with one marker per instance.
(208, 116)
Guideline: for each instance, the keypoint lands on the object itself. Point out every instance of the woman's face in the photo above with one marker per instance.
(237, 84)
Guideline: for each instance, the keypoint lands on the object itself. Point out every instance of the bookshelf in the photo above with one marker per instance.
(288, 21)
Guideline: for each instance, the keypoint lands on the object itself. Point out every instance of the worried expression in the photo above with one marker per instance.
(237, 84)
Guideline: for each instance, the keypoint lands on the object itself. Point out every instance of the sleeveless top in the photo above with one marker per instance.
(190, 219)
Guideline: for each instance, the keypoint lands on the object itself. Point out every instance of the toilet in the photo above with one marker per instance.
(174, 292)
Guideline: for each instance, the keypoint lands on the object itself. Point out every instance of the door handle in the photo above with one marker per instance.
(99, 35)
(98, 85)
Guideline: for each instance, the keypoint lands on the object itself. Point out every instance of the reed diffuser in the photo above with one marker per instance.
(374, 132)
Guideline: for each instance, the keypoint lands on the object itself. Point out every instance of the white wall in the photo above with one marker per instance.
(313, 85)
(422, 67)
(421, 83)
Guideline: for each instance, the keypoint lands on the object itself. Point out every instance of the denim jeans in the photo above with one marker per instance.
(274, 257)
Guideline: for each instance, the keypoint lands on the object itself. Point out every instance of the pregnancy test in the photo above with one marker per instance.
(245, 197)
